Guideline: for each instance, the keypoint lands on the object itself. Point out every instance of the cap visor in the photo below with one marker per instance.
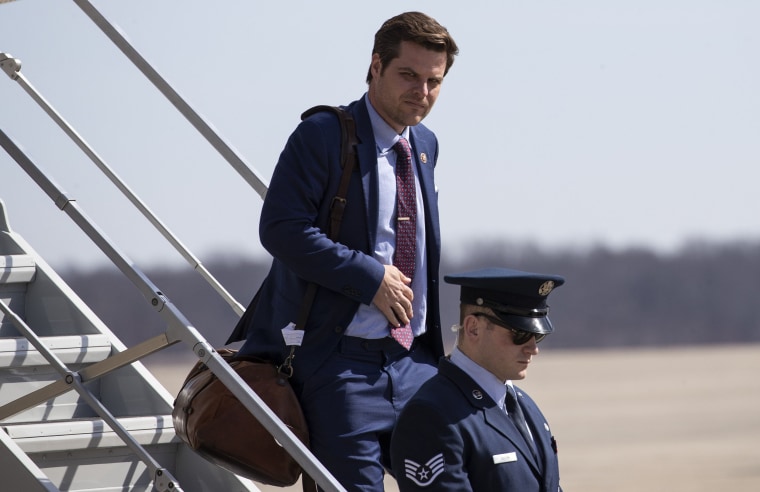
(540, 325)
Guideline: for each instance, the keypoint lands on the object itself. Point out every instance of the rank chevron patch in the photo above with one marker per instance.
(423, 475)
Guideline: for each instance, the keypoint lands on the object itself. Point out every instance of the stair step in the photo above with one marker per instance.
(45, 437)
(70, 349)
(23, 370)
(16, 269)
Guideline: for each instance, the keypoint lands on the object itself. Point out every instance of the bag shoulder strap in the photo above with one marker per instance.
(348, 160)
(348, 142)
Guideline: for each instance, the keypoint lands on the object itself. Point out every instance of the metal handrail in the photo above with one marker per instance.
(178, 327)
(12, 66)
(226, 150)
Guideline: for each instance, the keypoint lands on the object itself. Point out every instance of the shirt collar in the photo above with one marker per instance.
(496, 389)
(385, 136)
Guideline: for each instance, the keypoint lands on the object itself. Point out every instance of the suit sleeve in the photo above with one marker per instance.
(427, 451)
(304, 182)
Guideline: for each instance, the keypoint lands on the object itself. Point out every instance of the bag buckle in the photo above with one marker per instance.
(286, 368)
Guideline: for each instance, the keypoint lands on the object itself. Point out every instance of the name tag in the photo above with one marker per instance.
(504, 458)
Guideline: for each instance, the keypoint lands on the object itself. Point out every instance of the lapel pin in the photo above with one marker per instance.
(423, 157)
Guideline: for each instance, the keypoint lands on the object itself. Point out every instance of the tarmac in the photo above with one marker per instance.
(659, 420)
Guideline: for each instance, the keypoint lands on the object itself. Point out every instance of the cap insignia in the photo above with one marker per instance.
(546, 288)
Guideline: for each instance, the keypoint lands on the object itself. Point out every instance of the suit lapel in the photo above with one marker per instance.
(496, 418)
(542, 437)
(424, 158)
(367, 151)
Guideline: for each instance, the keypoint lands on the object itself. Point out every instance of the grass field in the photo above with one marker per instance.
(655, 420)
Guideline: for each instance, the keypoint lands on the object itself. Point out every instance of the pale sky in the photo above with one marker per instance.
(561, 124)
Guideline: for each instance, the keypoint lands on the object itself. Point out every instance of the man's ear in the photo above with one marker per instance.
(376, 66)
(471, 326)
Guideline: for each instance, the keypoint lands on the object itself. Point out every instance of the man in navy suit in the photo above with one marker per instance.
(352, 378)
(469, 428)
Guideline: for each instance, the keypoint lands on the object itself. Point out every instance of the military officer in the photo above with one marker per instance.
(469, 427)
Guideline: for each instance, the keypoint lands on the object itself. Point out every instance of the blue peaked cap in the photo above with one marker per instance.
(518, 298)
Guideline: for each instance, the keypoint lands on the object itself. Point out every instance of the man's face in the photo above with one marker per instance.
(497, 353)
(405, 91)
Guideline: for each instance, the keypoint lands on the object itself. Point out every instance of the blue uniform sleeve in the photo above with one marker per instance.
(427, 451)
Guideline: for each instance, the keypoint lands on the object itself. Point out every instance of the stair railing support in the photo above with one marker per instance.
(178, 327)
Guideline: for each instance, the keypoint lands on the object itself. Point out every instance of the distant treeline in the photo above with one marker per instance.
(704, 293)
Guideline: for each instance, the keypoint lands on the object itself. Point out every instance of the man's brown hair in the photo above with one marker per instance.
(418, 28)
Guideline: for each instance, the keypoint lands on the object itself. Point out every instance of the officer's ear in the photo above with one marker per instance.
(471, 326)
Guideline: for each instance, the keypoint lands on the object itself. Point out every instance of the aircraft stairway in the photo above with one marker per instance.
(74, 416)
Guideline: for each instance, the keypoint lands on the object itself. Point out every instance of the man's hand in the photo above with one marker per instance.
(394, 296)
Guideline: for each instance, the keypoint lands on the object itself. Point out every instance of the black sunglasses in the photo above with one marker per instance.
(519, 337)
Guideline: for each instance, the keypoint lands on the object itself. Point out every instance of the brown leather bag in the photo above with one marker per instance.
(213, 422)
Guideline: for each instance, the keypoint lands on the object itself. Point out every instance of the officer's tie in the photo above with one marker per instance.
(518, 418)
(406, 226)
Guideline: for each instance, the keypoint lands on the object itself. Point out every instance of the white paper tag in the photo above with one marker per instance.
(291, 335)
(504, 458)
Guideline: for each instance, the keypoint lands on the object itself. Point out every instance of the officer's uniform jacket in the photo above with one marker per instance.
(453, 436)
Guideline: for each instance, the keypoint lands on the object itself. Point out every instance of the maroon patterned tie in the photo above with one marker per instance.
(406, 226)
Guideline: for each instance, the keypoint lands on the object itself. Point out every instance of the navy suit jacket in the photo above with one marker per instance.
(293, 228)
(452, 436)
